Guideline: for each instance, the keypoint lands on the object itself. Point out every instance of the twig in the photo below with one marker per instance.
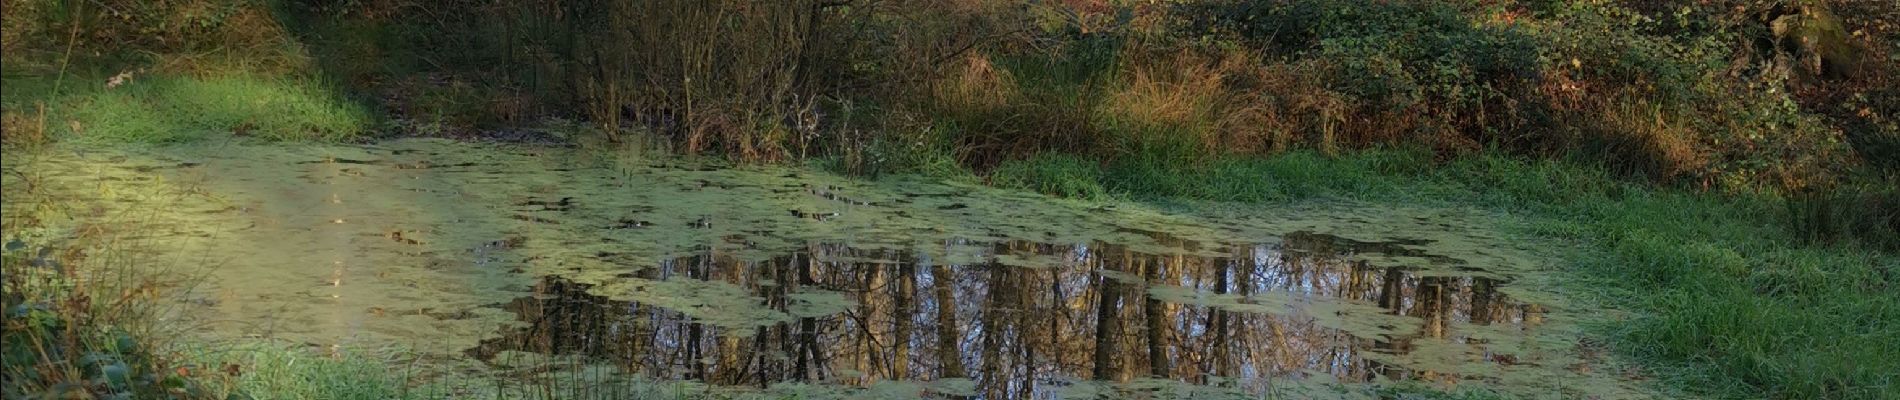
(72, 38)
(973, 43)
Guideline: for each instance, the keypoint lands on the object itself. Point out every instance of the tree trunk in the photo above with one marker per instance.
(1025, 344)
(992, 363)
(870, 357)
(949, 356)
(1392, 296)
(1222, 354)
(695, 331)
(1107, 324)
(1431, 305)
(1482, 293)
(811, 358)
(902, 312)
(1157, 315)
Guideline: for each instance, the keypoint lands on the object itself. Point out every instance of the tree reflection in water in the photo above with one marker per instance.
(1028, 315)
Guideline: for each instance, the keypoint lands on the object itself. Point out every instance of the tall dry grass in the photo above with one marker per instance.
(1638, 137)
(1179, 93)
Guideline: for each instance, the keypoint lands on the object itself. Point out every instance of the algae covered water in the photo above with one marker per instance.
(532, 263)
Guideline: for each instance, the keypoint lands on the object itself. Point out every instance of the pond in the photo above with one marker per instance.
(526, 262)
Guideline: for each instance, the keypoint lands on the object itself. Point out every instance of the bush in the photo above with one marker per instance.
(1397, 57)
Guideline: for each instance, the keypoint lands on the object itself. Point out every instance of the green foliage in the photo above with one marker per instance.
(1047, 104)
(1612, 45)
(1393, 55)
(1872, 126)
(1082, 60)
(1660, 90)
(1651, 89)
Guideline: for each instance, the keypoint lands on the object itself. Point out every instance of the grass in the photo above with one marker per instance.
(165, 109)
(270, 371)
(1727, 299)
(1406, 391)
(1053, 174)
(1733, 304)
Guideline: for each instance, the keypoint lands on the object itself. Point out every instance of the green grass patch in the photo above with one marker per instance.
(1733, 305)
(1413, 391)
(1054, 174)
(1291, 176)
(165, 109)
(1726, 301)
(268, 371)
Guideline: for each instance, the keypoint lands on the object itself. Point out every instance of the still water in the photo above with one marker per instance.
(525, 262)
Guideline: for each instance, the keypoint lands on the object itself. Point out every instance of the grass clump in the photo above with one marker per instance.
(1867, 211)
(1053, 174)
(269, 371)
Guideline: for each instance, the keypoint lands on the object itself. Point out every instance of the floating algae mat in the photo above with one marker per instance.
(524, 262)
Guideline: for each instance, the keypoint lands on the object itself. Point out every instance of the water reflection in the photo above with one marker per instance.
(804, 276)
(1026, 316)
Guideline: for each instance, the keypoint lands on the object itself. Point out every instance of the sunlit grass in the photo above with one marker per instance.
(166, 109)
(264, 370)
